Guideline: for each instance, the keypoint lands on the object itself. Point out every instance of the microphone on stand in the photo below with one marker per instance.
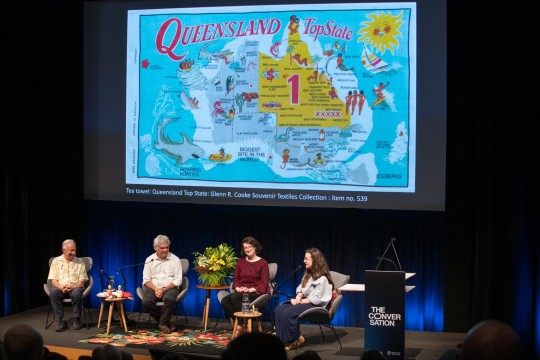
(133, 265)
(121, 270)
(276, 286)
(380, 258)
(110, 278)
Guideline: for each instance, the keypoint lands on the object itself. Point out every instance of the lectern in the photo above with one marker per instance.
(385, 312)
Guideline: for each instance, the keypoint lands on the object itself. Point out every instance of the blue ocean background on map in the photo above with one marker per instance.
(160, 99)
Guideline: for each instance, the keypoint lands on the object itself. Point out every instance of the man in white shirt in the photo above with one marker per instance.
(68, 276)
(162, 277)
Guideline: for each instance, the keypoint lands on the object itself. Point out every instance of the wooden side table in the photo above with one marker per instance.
(209, 289)
(120, 307)
(247, 320)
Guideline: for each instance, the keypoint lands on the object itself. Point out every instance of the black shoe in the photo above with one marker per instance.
(164, 329)
(77, 324)
(62, 326)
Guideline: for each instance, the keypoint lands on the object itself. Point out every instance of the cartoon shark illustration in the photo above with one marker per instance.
(181, 151)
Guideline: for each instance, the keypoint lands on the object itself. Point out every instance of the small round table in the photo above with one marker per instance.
(209, 289)
(246, 318)
(121, 314)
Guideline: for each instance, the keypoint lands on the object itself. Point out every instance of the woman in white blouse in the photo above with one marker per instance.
(314, 290)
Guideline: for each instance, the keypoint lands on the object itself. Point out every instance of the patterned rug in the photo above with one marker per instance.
(187, 340)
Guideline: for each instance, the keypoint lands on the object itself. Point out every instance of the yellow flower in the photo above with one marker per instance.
(216, 265)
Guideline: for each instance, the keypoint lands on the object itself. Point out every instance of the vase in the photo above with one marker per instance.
(218, 282)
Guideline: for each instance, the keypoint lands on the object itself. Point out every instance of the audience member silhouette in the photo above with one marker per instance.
(260, 346)
(171, 356)
(491, 340)
(109, 352)
(307, 355)
(2, 355)
(372, 354)
(24, 342)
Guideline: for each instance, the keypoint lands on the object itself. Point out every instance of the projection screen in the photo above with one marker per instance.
(323, 105)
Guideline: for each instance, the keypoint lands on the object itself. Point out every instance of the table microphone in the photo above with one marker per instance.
(276, 292)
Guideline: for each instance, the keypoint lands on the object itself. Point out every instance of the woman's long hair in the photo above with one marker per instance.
(318, 268)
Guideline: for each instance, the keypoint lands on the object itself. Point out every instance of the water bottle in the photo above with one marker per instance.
(245, 304)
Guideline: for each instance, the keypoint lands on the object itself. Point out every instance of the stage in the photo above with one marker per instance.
(419, 345)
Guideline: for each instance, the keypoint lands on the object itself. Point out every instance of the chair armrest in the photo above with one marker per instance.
(47, 288)
(221, 294)
(139, 292)
(89, 288)
(316, 314)
(261, 301)
(184, 287)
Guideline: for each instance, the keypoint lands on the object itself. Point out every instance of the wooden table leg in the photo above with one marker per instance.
(122, 315)
(111, 306)
(100, 312)
(249, 325)
(206, 309)
(235, 327)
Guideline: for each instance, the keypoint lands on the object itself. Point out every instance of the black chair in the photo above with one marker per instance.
(88, 263)
(325, 315)
(262, 301)
(184, 287)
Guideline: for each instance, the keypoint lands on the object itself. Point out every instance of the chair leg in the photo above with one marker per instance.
(184, 312)
(217, 319)
(139, 319)
(221, 311)
(87, 316)
(335, 333)
(322, 333)
(47, 324)
(330, 326)
(267, 312)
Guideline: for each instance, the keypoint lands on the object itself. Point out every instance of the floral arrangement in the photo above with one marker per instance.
(216, 265)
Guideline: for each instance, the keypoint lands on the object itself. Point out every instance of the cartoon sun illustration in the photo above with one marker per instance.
(382, 31)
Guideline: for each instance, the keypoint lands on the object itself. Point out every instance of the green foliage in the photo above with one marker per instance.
(216, 265)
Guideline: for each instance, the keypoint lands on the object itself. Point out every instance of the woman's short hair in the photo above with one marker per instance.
(251, 241)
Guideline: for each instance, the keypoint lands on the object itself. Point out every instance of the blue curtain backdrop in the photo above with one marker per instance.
(479, 259)
(119, 235)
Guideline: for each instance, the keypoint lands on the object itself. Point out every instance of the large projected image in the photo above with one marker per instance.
(318, 97)
(327, 104)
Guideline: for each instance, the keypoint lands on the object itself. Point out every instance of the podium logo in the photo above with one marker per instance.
(379, 317)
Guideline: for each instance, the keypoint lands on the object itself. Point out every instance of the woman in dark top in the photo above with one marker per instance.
(250, 276)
